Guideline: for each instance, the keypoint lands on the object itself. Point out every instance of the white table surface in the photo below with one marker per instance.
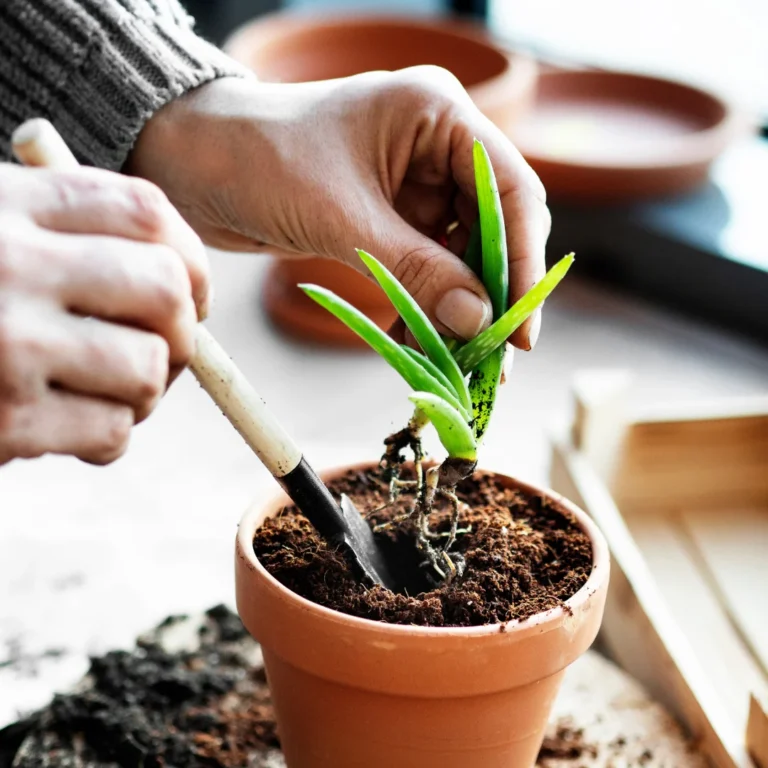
(91, 556)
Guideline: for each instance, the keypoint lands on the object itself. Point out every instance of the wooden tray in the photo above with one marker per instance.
(682, 498)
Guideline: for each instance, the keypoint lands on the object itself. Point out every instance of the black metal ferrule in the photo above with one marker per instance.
(314, 500)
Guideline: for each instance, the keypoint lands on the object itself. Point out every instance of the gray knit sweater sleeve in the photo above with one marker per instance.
(98, 69)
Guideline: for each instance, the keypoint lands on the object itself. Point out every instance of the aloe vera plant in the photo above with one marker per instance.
(455, 385)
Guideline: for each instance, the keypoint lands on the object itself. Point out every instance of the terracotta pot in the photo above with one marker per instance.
(350, 692)
(287, 47)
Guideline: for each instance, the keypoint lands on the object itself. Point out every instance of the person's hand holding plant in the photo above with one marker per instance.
(381, 161)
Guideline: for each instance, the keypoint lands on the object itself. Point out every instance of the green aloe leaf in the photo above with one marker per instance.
(492, 234)
(452, 429)
(411, 370)
(430, 367)
(486, 374)
(483, 386)
(420, 326)
(473, 352)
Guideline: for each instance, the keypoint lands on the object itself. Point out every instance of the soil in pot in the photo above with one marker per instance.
(522, 556)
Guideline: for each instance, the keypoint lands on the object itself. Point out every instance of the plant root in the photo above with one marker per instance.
(441, 480)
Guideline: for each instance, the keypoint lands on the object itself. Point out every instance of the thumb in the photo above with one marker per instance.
(444, 287)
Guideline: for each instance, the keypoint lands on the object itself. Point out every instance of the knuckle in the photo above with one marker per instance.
(114, 438)
(68, 190)
(429, 80)
(149, 209)
(17, 438)
(417, 269)
(154, 376)
(173, 289)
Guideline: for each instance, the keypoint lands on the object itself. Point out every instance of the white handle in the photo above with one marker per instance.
(38, 143)
(243, 406)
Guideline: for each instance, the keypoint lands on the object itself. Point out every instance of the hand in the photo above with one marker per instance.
(381, 161)
(97, 278)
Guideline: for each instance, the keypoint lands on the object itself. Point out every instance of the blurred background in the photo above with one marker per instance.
(658, 186)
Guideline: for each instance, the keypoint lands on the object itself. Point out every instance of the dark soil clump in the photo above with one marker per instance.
(152, 708)
(523, 555)
(566, 743)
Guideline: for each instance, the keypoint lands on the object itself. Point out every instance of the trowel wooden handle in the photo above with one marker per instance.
(243, 406)
(37, 143)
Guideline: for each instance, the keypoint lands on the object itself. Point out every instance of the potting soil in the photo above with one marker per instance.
(522, 555)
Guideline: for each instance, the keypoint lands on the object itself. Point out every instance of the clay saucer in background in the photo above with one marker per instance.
(290, 47)
(291, 310)
(597, 136)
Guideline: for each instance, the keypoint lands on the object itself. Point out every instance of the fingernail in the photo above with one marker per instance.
(533, 334)
(463, 312)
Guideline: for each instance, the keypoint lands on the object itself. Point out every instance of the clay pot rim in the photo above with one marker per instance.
(700, 146)
(544, 621)
(519, 74)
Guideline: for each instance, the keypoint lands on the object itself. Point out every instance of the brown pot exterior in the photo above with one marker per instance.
(350, 692)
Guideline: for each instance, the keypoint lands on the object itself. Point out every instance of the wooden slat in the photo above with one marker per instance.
(672, 560)
(601, 417)
(686, 463)
(639, 630)
(757, 732)
(733, 545)
(711, 453)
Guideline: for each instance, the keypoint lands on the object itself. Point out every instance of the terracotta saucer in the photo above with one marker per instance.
(596, 136)
(297, 315)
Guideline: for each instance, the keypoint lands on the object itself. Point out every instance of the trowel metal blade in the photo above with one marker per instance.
(367, 553)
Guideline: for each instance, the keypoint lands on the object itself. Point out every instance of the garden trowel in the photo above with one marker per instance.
(37, 143)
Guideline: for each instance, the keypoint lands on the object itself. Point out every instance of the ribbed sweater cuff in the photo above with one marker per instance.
(129, 74)
(100, 71)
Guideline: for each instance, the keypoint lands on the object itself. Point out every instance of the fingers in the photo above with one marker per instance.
(96, 202)
(96, 431)
(109, 361)
(438, 130)
(523, 201)
(448, 292)
(42, 347)
(130, 283)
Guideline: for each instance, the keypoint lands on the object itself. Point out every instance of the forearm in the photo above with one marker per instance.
(98, 69)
